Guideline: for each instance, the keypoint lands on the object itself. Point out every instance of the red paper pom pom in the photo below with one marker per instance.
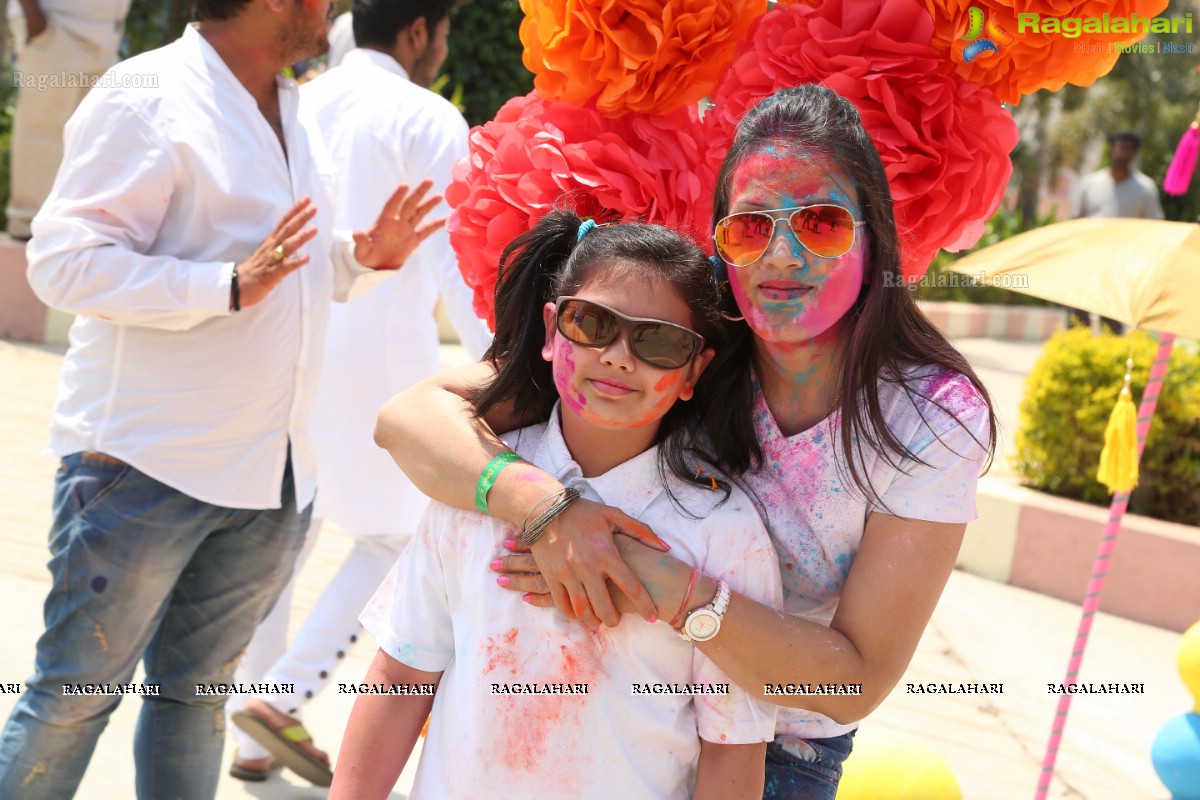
(652, 169)
(944, 141)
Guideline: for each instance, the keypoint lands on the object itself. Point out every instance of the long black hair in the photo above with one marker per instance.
(888, 335)
(715, 426)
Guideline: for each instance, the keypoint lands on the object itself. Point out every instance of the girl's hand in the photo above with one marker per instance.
(576, 559)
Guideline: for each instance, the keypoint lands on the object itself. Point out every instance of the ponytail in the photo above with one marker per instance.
(560, 256)
(530, 269)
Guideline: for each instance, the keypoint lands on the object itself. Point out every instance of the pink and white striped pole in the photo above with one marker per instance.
(1108, 543)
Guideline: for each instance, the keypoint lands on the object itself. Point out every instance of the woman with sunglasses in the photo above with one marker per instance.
(614, 337)
(874, 430)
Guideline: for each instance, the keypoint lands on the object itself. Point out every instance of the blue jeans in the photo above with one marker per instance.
(141, 570)
(790, 777)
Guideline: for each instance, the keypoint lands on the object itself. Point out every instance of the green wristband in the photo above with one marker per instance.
(488, 477)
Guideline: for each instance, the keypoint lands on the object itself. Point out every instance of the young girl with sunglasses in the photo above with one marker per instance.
(614, 335)
(874, 430)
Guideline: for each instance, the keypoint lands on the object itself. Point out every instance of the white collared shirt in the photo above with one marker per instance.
(382, 130)
(161, 192)
(101, 22)
(440, 611)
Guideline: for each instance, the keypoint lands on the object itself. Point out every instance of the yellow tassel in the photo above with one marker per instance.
(1119, 458)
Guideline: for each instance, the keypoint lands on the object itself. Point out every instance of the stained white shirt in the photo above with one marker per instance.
(161, 192)
(382, 130)
(817, 515)
(440, 610)
(101, 22)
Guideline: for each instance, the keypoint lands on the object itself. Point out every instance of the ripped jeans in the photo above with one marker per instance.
(142, 571)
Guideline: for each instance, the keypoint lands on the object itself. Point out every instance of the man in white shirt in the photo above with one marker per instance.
(187, 477)
(341, 39)
(61, 47)
(383, 127)
(1119, 191)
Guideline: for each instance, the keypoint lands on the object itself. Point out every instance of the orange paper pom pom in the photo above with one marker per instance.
(644, 56)
(984, 44)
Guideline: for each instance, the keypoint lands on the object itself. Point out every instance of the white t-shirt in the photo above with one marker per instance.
(816, 514)
(440, 610)
(1101, 196)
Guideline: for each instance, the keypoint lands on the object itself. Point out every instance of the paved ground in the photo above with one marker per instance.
(982, 632)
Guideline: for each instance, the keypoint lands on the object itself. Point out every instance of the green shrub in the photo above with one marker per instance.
(8, 102)
(1068, 399)
(485, 58)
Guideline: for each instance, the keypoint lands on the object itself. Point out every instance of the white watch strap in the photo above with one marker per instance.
(720, 603)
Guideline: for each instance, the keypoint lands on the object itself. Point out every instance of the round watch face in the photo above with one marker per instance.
(703, 624)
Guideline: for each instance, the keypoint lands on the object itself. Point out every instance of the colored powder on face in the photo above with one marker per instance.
(564, 371)
(667, 380)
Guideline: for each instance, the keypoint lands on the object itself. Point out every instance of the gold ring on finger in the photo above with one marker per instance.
(279, 254)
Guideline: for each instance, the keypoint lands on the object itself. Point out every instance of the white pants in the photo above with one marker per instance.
(43, 111)
(324, 639)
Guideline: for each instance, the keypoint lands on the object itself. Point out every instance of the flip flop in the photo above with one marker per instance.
(283, 743)
(242, 773)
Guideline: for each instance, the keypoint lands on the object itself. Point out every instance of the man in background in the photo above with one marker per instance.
(382, 124)
(75, 41)
(1119, 191)
(190, 230)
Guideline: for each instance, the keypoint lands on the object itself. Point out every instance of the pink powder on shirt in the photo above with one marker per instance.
(532, 726)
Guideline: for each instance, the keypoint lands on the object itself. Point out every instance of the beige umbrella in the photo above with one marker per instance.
(1143, 272)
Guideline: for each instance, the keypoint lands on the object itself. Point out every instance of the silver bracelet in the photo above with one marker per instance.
(562, 499)
(548, 498)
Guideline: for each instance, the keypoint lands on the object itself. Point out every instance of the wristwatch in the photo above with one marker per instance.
(705, 623)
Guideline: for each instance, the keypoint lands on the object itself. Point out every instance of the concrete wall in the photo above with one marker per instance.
(22, 315)
(1048, 545)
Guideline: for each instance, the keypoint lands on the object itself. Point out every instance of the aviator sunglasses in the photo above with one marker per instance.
(660, 344)
(826, 230)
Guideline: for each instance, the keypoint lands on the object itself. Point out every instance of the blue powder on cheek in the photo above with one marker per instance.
(843, 200)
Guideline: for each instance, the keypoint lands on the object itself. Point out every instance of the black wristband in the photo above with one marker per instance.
(235, 299)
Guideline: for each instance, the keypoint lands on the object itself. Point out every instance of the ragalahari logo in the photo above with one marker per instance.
(979, 23)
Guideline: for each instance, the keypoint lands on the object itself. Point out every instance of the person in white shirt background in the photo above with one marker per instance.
(63, 39)
(383, 127)
(187, 479)
(341, 39)
(1120, 190)
(612, 338)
